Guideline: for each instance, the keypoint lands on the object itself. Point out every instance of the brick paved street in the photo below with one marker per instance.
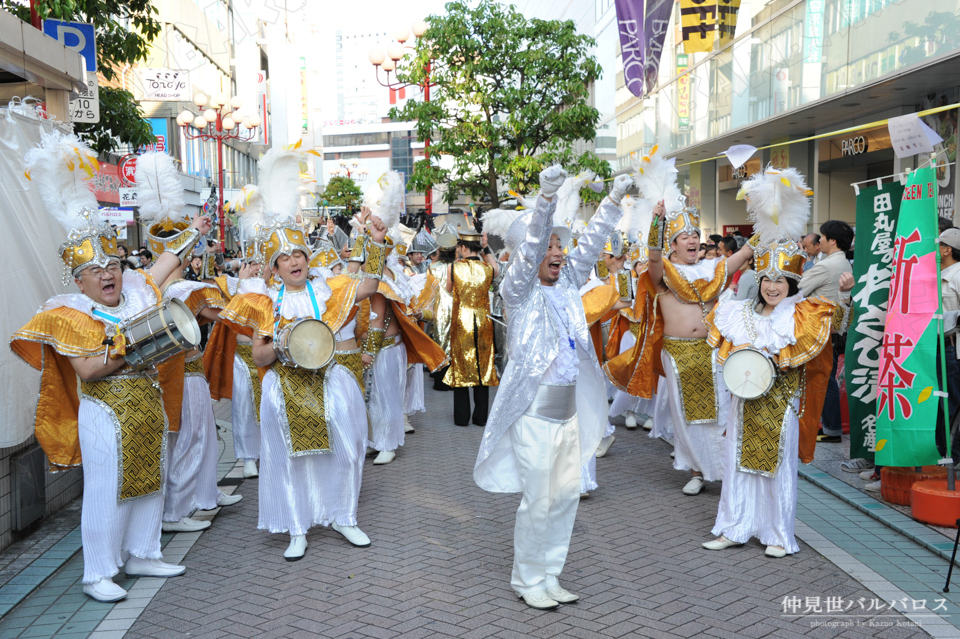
(442, 550)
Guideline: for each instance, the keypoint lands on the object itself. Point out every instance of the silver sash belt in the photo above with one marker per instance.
(554, 402)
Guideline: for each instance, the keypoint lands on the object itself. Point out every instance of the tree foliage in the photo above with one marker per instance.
(509, 96)
(343, 191)
(125, 29)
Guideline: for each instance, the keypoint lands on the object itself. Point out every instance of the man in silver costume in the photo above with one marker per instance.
(534, 442)
(422, 245)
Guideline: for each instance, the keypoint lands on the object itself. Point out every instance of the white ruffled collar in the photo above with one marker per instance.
(740, 324)
(297, 304)
(702, 270)
(138, 296)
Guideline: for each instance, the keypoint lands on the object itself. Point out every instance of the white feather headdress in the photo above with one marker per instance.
(497, 222)
(637, 216)
(778, 203)
(568, 199)
(62, 167)
(159, 190)
(389, 202)
(280, 183)
(656, 179)
(250, 209)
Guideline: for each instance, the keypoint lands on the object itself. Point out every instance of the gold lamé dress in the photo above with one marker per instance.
(471, 329)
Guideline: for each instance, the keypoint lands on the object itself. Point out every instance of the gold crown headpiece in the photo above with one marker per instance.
(280, 187)
(684, 220)
(783, 258)
(325, 256)
(62, 167)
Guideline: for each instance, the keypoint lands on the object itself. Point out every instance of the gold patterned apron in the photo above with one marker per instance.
(692, 360)
(305, 416)
(136, 408)
(760, 440)
(353, 362)
(194, 367)
(245, 352)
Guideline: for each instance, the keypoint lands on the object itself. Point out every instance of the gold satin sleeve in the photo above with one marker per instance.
(250, 314)
(420, 348)
(221, 282)
(598, 302)
(341, 304)
(205, 298)
(69, 332)
(218, 361)
(171, 379)
(694, 292)
(637, 370)
(423, 303)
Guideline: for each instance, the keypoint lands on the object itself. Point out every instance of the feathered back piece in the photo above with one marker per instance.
(778, 203)
(251, 209)
(159, 191)
(62, 166)
(389, 202)
(568, 198)
(280, 183)
(497, 222)
(637, 216)
(656, 179)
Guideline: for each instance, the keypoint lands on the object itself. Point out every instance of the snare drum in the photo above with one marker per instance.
(305, 343)
(749, 374)
(159, 333)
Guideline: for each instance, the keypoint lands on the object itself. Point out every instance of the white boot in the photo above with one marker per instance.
(385, 457)
(105, 590)
(631, 421)
(250, 468)
(648, 424)
(298, 546)
(407, 426)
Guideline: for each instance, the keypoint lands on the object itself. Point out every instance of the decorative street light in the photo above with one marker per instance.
(220, 121)
(349, 169)
(387, 60)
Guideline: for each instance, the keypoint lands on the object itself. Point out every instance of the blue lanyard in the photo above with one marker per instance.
(276, 310)
(106, 316)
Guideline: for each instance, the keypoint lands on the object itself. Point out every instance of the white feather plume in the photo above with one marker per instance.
(637, 215)
(159, 190)
(656, 179)
(778, 203)
(497, 222)
(61, 168)
(251, 209)
(280, 183)
(389, 202)
(528, 201)
(568, 198)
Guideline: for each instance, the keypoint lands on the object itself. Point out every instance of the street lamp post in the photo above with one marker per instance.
(388, 61)
(219, 123)
(349, 168)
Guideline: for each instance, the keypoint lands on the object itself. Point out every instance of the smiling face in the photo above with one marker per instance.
(292, 269)
(552, 261)
(686, 248)
(774, 291)
(415, 258)
(103, 286)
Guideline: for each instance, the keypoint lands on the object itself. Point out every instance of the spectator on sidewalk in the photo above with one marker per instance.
(811, 246)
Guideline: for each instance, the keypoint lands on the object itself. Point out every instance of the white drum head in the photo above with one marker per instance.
(311, 344)
(185, 322)
(748, 374)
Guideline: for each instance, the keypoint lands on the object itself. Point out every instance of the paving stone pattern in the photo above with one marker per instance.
(442, 552)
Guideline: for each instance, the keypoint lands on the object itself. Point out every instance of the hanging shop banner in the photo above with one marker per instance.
(907, 387)
(630, 25)
(877, 212)
(683, 93)
(704, 21)
(656, 21)
(945, 124)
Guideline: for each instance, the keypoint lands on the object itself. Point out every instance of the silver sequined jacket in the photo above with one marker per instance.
(533, 339)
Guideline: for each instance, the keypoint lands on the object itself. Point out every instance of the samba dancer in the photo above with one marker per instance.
(313, 422)
(759, 495)
(425, 289)
(115, 427)
(534, 441)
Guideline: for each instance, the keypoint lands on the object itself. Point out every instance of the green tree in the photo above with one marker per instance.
(125, 29)
(343, 191)
(509, 97)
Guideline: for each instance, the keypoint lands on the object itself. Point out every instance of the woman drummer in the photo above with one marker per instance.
(759, 495)
(313, 424)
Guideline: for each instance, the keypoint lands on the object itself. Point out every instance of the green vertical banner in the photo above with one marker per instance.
(907, 389)
(877, 212)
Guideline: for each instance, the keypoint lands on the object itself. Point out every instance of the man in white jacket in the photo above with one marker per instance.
(534, 442)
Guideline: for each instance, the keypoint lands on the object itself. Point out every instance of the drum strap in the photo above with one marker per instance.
(113, 319)
(276, 310)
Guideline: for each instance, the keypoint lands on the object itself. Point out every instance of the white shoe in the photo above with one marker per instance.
(719, 543)
(561, 595)
(407, 426)
(136, 567)
(186, 524)
(605, 445)
(298, 546)
(869, 475)
(105, 590)
(648, 424)
(873, 487)
(631, 421)
(775, 552)
(540, 600)
(584, 495)
(694, 486)
(353, 534)
(250, 469)
(385, 457)
(228, 500)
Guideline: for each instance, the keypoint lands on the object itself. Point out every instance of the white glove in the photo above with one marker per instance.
(551, 179)
(620, 185)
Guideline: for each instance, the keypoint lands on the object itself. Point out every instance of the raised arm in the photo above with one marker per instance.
(522, 273)
(655, 246)
(168, 262)
(738, 259)
(601, 225)
(488, 256)
(378, 231)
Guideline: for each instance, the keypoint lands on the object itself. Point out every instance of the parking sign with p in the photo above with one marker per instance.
(77, 36)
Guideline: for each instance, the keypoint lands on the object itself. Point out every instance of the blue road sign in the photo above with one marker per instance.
(78, 36)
